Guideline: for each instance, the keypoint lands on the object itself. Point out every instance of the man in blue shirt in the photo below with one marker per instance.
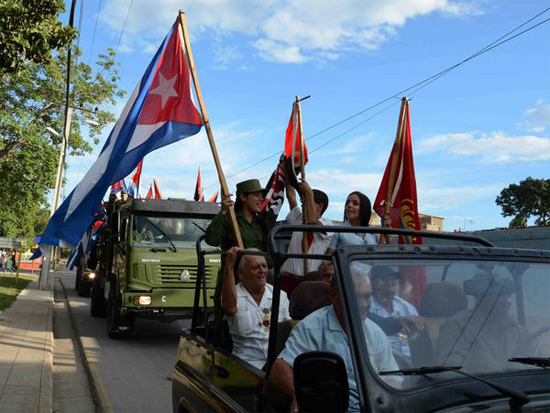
(323, 330)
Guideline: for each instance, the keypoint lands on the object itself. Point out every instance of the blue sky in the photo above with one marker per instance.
(475, 131)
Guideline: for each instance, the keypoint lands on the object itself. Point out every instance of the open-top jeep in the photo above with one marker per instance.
(485, 344)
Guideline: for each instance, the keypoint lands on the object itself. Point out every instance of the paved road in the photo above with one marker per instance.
(135, 373)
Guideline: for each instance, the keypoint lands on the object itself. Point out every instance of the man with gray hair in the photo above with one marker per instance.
(247, 305)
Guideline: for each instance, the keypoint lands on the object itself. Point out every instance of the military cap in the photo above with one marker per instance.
(383, 271)
(251, 185)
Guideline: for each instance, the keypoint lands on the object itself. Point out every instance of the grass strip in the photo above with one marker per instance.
(9, 290)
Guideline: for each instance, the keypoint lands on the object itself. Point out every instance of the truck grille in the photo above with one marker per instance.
(174, 274)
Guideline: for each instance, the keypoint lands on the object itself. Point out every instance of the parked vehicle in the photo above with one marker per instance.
(485, 345)
(147, 265)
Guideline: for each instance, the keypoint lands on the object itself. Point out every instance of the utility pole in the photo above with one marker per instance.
(44, 281)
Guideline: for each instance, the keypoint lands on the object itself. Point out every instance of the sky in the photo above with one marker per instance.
(475, 130)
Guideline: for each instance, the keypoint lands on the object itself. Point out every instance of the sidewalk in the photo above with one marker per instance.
(26, 352)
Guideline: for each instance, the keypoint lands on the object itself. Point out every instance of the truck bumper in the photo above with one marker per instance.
(165, 299)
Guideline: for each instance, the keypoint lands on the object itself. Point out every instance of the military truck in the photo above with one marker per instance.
(147, 265)
(485, 345)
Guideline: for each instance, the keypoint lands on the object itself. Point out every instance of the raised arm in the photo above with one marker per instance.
(309, 202)
(290, 194)
(214, 233)
(229, 294)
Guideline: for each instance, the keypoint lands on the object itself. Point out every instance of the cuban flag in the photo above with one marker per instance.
(159, 112)
(118, 187)
(133, 189)
(158, 195)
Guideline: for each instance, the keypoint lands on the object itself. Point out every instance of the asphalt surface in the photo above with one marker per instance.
(134, 374)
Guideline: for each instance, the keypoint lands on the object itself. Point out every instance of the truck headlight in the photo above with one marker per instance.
(91, 276)
(142, 300)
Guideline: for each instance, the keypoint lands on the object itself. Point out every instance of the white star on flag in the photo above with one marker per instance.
(165, 89)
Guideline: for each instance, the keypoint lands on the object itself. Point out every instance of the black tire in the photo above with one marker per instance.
(98, 306)
(118, 326)
(84, 288)
(78, 278)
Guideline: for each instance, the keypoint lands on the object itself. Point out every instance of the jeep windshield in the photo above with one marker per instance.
(484, 317)
(162, 232)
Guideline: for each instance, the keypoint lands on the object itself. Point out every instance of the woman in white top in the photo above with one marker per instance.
(357, 213)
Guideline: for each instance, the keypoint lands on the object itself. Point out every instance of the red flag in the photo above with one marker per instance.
(292, 141)
(158, 195)
(214, 197)
(134, 184)
(404, 203)
(150, 192)
(199, 195)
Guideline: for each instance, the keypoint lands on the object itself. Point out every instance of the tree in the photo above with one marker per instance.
(30, 31)
(531, 197)
(31, 100)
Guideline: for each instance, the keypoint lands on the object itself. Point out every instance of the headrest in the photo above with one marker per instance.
(442, 299)
(489, 286)
(307, 297)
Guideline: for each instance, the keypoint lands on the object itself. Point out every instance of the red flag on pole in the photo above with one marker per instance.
(158, 195)
(150, 192)
(214, 197)
(397, 196)
(199, 195)
(293, 146)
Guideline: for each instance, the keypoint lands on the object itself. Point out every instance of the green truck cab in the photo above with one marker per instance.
(147, 264)
(485, 344)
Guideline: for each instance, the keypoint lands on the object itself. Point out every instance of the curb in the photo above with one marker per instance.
(45, 397)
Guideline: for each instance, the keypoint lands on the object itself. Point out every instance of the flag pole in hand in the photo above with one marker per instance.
(221, 176)
(303, 176)
(395, 157)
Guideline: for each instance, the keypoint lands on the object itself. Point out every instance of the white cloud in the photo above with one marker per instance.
(537, 118)
(492, 147)
(436, 198)
(226, 55)
(289, 31)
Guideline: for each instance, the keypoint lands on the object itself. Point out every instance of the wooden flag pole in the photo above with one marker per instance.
(395, 151)
(221, 176)
(303, 175)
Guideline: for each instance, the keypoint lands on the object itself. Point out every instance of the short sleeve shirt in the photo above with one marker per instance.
(249, 326)
(340, 239)
(318, 246)
(321, 331)
(401, 308)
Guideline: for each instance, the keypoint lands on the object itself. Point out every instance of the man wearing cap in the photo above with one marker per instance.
(251, 225)
(386, 304)
(316, 203)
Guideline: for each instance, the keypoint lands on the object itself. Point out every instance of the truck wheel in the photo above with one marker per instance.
(98, 307)
(118, 325)
(78, 278)
(84, 288)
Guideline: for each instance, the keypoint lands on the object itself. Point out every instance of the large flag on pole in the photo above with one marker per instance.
(159, 112)
(158, 195)
(199, 195)
(397, 197)
(133, 190)
(118, 187)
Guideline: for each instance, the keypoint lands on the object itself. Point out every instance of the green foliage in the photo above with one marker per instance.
(10, 289)
(30, 31)
(31, 100)
(531, 197)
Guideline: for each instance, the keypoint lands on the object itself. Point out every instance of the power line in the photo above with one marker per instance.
(415, 88)
(124, 26)
(95, 31)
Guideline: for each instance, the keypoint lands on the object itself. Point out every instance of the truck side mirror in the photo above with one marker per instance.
(321, 382)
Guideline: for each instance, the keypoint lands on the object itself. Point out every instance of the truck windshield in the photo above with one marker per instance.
(159, 231)
(476, 315)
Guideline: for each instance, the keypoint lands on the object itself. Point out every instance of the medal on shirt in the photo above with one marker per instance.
(267, 318)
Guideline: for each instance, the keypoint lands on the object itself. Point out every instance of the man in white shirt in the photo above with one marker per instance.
(247, 306)
(316, 203)
(385, 303)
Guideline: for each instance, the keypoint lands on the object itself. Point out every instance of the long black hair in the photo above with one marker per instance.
(365, 210)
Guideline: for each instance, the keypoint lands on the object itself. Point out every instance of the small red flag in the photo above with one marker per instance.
(214, 197)
(150, 192)
(158, 195)
(292, 141)
(199, 195)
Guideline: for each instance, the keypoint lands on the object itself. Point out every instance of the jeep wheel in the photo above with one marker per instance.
(118, 325)
(98, 307)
